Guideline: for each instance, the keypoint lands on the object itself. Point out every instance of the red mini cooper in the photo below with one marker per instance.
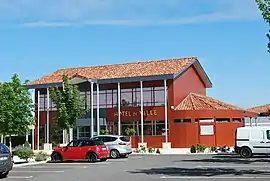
(81, 149)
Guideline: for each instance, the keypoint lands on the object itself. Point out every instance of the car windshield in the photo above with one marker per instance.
(3, 148)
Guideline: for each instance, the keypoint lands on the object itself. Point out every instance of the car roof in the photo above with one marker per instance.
(254, 128)
(109, 135)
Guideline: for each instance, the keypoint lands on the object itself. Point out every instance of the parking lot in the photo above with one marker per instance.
(145, 168)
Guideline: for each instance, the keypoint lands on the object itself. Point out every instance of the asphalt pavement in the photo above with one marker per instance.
(145, 168)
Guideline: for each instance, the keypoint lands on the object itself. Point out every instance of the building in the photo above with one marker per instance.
(170, 93)
(263, 116)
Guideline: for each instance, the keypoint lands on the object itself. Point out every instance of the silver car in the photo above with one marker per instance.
(6, 161)
(119, 146)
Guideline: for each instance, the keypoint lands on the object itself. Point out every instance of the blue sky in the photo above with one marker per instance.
(228, 36)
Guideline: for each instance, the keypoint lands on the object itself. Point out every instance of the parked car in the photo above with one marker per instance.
(250, 141)
(119, 146)
(6, 161)
(81, 149)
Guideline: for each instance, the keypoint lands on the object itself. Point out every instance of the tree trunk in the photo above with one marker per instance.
(10, 144)
(2, 138)
(70, 134)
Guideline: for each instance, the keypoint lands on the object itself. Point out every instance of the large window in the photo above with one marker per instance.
(150, 128)
(43, 103)
(152, 96)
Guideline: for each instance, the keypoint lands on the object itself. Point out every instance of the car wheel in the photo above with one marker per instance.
(4, 175)
(91, 157)
(103, 159)
(245, 152)
(56, 157)
(114, 154)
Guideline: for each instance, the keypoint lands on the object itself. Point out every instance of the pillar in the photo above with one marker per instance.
(92, 109)
(98, 123)
(119, 108)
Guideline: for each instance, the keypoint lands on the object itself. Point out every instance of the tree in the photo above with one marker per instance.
(264, 7)
(16, 108)
(69, 103)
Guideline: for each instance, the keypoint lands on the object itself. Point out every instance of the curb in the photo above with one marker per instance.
(28, 164)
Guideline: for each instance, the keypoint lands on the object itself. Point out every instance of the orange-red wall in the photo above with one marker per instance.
(186, 83)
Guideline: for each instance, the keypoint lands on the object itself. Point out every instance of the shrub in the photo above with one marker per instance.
(25, 154)
(213, 149)
(27, 145)
(17, 148)
(158, 151)
(151, 150)
(130, 132)
(193, 149)
(142, 149)
(104, 131)
(41, 156)
(200, 148)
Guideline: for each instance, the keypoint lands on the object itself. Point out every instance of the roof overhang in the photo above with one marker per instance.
(135, 79)
(200, 72)
(42, 86)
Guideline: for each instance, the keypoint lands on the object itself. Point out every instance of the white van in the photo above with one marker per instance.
(252, 140)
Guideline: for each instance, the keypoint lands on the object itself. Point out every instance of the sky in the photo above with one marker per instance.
(37, 37)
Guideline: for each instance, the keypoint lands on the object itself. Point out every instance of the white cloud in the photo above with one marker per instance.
(64, 13)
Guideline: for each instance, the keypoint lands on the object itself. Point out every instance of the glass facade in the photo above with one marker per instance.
(152, 96)
(131, 97)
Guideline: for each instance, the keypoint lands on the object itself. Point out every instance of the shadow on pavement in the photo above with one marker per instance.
(230, 159)
(176, 171)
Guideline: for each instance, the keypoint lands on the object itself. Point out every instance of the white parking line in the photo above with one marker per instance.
(232, 166)
(19, 177)
(232, 177)
(38, 171)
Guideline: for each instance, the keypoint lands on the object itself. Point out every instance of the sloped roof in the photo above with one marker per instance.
(127, 70)
(261, 109)
(201, 102)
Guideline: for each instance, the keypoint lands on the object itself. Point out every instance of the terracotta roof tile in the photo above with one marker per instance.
(135, 69)
(200, 102)
(261, 109)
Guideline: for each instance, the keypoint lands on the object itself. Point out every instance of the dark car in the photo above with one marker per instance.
(6, 161)
(81, 149)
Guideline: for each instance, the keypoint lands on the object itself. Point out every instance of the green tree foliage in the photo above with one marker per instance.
(16, 108)
(264, 7)
(69, 103)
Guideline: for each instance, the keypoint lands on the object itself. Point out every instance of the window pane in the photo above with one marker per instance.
(222, 119)
(114, 98)
(180, 121)
(147, 101)
(126, 99)
(136, 98)
(268, 134)
(109, 99)
(160, 129)
(159, 97)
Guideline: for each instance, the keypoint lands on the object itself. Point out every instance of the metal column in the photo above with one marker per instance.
(141, 85)
(98, 123)
(166, 111)
(119, 108)
(92, 109)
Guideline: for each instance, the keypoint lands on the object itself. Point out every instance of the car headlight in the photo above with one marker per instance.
(3, 158)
